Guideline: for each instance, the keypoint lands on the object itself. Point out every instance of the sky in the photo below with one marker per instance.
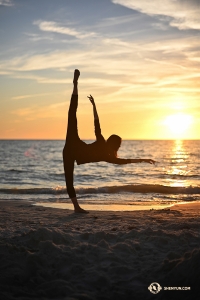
(139, 59)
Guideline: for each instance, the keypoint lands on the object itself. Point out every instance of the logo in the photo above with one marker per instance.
(154, 288)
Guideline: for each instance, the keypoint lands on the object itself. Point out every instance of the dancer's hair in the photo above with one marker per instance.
(113, 142)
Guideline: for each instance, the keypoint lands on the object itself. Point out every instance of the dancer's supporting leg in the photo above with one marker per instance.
(72, 140)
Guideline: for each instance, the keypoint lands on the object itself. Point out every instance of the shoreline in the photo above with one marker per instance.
(49, 253)
(135, 206)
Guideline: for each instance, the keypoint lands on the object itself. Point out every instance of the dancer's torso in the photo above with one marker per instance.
(93, 152)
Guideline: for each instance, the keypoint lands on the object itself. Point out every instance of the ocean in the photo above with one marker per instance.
(32, 170)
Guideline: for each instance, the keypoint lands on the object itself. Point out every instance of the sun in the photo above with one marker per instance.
(178, 124)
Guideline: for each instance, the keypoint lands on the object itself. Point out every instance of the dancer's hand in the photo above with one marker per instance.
(150, 161)
(91, 99)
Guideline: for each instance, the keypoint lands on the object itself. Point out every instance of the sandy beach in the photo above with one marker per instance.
(49, 253)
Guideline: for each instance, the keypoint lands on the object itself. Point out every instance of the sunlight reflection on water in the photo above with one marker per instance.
(179, 157)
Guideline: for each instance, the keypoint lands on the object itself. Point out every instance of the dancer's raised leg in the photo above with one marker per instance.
(72, 130)
(71, 141)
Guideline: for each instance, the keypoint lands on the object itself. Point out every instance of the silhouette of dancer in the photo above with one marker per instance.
(77, 150)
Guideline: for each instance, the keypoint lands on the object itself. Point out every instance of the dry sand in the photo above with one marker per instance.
(48, 253)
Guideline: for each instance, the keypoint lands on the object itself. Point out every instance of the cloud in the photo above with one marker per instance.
(5, 72)
(39, 79)
(112, 65)
(114, 21)
(185, 13)
(36, 37)
(57, 105)
(6, 2)
(52, 60)
(23, 112)
(108, 54)
(58, 28)
(29, 96)
(52, 111)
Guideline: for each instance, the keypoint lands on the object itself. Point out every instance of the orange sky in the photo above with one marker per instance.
(142, 69)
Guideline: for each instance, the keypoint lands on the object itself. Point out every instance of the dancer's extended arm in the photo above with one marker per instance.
(123, 161)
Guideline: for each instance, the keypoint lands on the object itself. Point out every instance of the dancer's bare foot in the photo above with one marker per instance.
(76, 75)
(79, 210)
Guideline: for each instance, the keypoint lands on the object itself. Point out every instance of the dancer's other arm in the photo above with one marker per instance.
(96, 118)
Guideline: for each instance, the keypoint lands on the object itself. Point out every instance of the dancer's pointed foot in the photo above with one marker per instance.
(76, 75)
(79, 210)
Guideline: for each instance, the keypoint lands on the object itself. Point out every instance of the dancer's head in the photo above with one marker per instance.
(113, 143)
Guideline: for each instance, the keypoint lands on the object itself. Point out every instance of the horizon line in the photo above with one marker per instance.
(92, 139)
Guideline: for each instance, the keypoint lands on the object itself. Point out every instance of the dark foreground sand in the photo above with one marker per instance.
(48, 253)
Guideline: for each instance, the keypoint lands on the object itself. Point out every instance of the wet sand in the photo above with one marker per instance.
(49, 253)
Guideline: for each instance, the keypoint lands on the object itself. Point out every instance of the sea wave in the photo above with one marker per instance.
(176, 176)
(141, 188)
(15, 171)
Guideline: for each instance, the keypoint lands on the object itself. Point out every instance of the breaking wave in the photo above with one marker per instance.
(142, 188)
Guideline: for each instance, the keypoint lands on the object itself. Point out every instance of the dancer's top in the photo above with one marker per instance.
(97, 151)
